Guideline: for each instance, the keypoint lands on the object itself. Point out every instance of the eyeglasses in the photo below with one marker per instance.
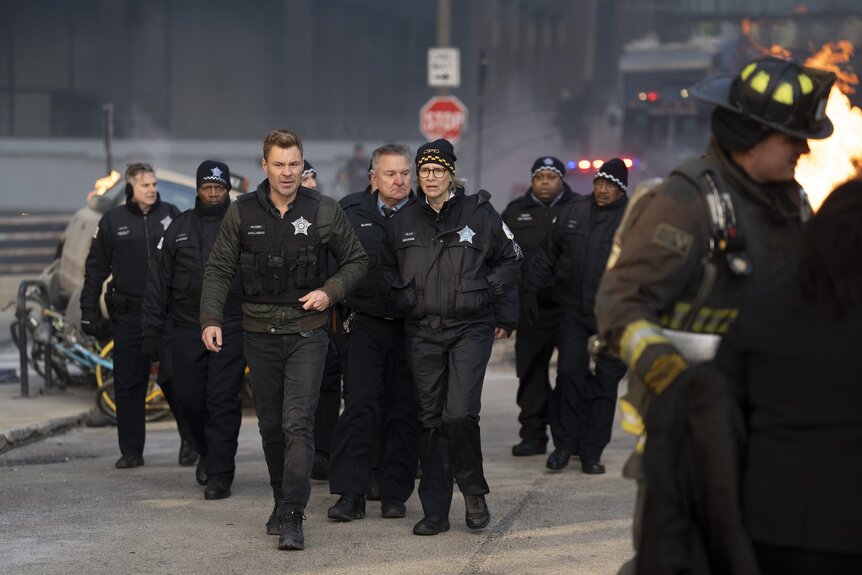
(426, 172)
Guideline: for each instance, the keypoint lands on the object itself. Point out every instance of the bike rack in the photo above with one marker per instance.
(21, 315)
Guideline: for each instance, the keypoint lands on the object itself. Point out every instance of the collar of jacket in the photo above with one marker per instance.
(205, 211)
(133, 206)
(781, 201)
(453, 200)
(372, 207)
(262, 192)
(617, 204)
(566, 196)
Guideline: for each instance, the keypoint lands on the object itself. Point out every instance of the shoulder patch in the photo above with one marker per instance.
(674, 239)
(508, 232)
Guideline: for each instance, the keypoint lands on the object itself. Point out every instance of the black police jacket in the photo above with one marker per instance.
(530, 220)
(177, 273)
(124, 245)
(281, 259)
(575, 253)
(368, 223)
(460, 263)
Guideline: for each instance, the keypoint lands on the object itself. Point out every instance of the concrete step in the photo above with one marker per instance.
(28, 242)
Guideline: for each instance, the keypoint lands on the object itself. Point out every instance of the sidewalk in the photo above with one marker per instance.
(23, 420)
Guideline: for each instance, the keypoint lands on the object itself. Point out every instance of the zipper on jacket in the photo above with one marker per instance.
(147, 237)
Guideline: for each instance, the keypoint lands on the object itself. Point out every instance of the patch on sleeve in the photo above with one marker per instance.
(674, 239)
(508, 232)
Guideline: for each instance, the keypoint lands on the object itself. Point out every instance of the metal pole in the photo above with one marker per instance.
(21, 314)
(444, 31)
(108, 134)
(444, 22)
(480, 114)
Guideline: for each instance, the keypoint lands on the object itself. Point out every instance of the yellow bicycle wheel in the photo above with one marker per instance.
(156, 405)
(105, 381)
(101, 376)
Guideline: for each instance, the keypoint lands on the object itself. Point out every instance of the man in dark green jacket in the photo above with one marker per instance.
(279, 239)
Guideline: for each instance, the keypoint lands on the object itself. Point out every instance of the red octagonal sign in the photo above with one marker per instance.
(443, 117)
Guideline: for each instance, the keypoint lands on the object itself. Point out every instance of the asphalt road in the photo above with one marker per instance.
(65, 509)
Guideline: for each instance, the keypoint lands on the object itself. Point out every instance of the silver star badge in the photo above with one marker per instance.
(466, 235)
(166, 221)
(301, 226)
(216, 172)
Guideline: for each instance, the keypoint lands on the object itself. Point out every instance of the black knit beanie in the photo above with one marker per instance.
(736, 133)
(436, 152)
(211, 171)
(614, 171)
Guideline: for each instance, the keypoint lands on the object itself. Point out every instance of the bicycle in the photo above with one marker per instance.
(48, 327)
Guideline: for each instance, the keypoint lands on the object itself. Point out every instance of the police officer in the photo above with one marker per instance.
(575, 252)
(529, 217)
(720, 224)
(207, 384)
(309, 175)
(452, 265)
(124, 245)
(380, 399)
(278, 238)
(329, 403)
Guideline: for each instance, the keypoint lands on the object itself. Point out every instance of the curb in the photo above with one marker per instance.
(13, 438)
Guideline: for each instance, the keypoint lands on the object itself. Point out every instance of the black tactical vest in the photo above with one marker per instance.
(281, 260)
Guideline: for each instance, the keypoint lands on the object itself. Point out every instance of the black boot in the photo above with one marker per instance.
(478, 515)
(392, 509)
(272, 524)
(348, 507)
(201, 470)
(291, 537)
(129, 461)
(187, 456)
(530, 447)
(217, 489)
(431, 525)
(558, 459)
(320, 466)
(592, 467)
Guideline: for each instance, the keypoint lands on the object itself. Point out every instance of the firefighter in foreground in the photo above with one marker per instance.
(723, 223)
(453, 267)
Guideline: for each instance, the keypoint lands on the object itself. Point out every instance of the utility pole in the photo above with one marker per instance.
(108, 134)
(444, 31)
(480, 114)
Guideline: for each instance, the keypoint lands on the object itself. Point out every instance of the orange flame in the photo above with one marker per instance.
(774, 50)
(104, 184)
(838, 158)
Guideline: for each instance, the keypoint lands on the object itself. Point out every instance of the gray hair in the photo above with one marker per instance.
(390, 149)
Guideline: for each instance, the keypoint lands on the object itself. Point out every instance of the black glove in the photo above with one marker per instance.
(531, 308)
(150, 347)
(94, 325)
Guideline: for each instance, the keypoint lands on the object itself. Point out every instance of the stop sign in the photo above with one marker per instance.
(443, 117)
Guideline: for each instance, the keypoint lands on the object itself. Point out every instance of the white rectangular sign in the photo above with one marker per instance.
(444, 67)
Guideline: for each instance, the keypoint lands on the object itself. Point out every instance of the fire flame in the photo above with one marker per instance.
(104, 184)
(838, 158)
